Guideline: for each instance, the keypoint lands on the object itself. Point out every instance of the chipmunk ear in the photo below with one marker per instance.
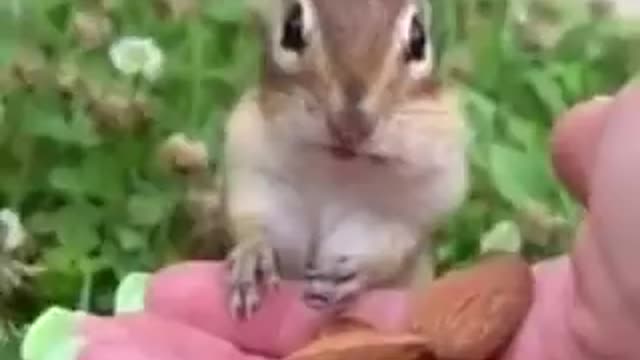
(287, 29)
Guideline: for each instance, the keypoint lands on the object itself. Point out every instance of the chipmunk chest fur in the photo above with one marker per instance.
(343, 153)
(410, 173)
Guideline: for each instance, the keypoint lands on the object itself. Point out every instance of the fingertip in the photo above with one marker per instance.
(195, 294)
(627, 99)
(131, 293)
(574, 142)
(384, 310)
(54, 335)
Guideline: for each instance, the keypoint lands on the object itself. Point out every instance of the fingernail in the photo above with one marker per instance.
(130, 295)
(631, 86)
(602, 98)
(53, 336)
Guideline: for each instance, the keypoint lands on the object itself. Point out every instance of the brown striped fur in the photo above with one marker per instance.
(303, 202)
(356, 37)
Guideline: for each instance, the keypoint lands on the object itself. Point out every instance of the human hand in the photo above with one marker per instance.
(584, 306)
(587, 304)
(185, 317)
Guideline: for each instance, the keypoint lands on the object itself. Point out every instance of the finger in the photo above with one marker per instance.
(63, 334)
(615, 196)
(196, 294)
(574, 143)
(122, 350)
(599, 278)
(384, 310)
(144, 336)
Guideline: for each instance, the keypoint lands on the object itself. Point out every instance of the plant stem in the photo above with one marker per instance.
(84, 302)
(196, 55)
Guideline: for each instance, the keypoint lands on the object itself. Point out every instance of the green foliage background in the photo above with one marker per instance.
(98, 205)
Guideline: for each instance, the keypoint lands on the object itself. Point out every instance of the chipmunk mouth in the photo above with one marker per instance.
(345, 153)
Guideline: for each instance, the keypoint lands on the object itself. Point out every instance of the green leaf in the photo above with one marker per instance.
(99, 175)
(571, 77)
(131, 239)
(67, 179)
(82, 131)
(103, 175)
(46, 119)
(523, 131)
(9, 348)
(516, 177)
(81, 211)
(11, 182)
(503, 237)
(51, 221)
(3, 115)
(548, 91)
(226, 10)
(482, 113)
(9, 40)
(130, 295)
(148, 210)
(42, 222)
(53, 336)
(241, 65)
(78, 237)
(58, 259)
(44, 123)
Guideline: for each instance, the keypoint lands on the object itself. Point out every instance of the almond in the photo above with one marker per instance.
(344, 324)
(357, 344)
(471, 314)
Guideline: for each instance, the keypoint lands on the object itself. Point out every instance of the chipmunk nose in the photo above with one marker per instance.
(350, 127)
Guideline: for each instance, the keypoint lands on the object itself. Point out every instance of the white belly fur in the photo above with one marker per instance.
(325, 193)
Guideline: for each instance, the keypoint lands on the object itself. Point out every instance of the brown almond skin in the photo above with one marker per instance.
(344, 324)
(467, 314)
(471, 314)
(364, 344)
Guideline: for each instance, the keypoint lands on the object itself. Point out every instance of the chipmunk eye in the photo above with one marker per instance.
(415, 50)
(293, 31)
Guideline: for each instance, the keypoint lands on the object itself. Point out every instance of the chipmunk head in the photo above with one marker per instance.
(341, 66)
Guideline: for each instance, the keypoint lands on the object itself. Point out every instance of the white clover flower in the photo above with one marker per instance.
(626, 9)
(181, 153)
(12, 234)
(133, 55)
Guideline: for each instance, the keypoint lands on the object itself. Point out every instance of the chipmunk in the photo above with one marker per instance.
(339, 160)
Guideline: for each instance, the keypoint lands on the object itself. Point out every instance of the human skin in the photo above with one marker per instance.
(586, 304)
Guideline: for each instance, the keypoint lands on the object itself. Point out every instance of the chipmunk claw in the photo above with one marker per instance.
(334, 286)
(251, 268)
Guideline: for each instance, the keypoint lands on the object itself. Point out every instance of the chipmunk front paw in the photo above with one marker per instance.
(253, 265)
(334, 283)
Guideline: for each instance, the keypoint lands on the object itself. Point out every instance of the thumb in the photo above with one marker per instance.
(384, 310)
(575, 141)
